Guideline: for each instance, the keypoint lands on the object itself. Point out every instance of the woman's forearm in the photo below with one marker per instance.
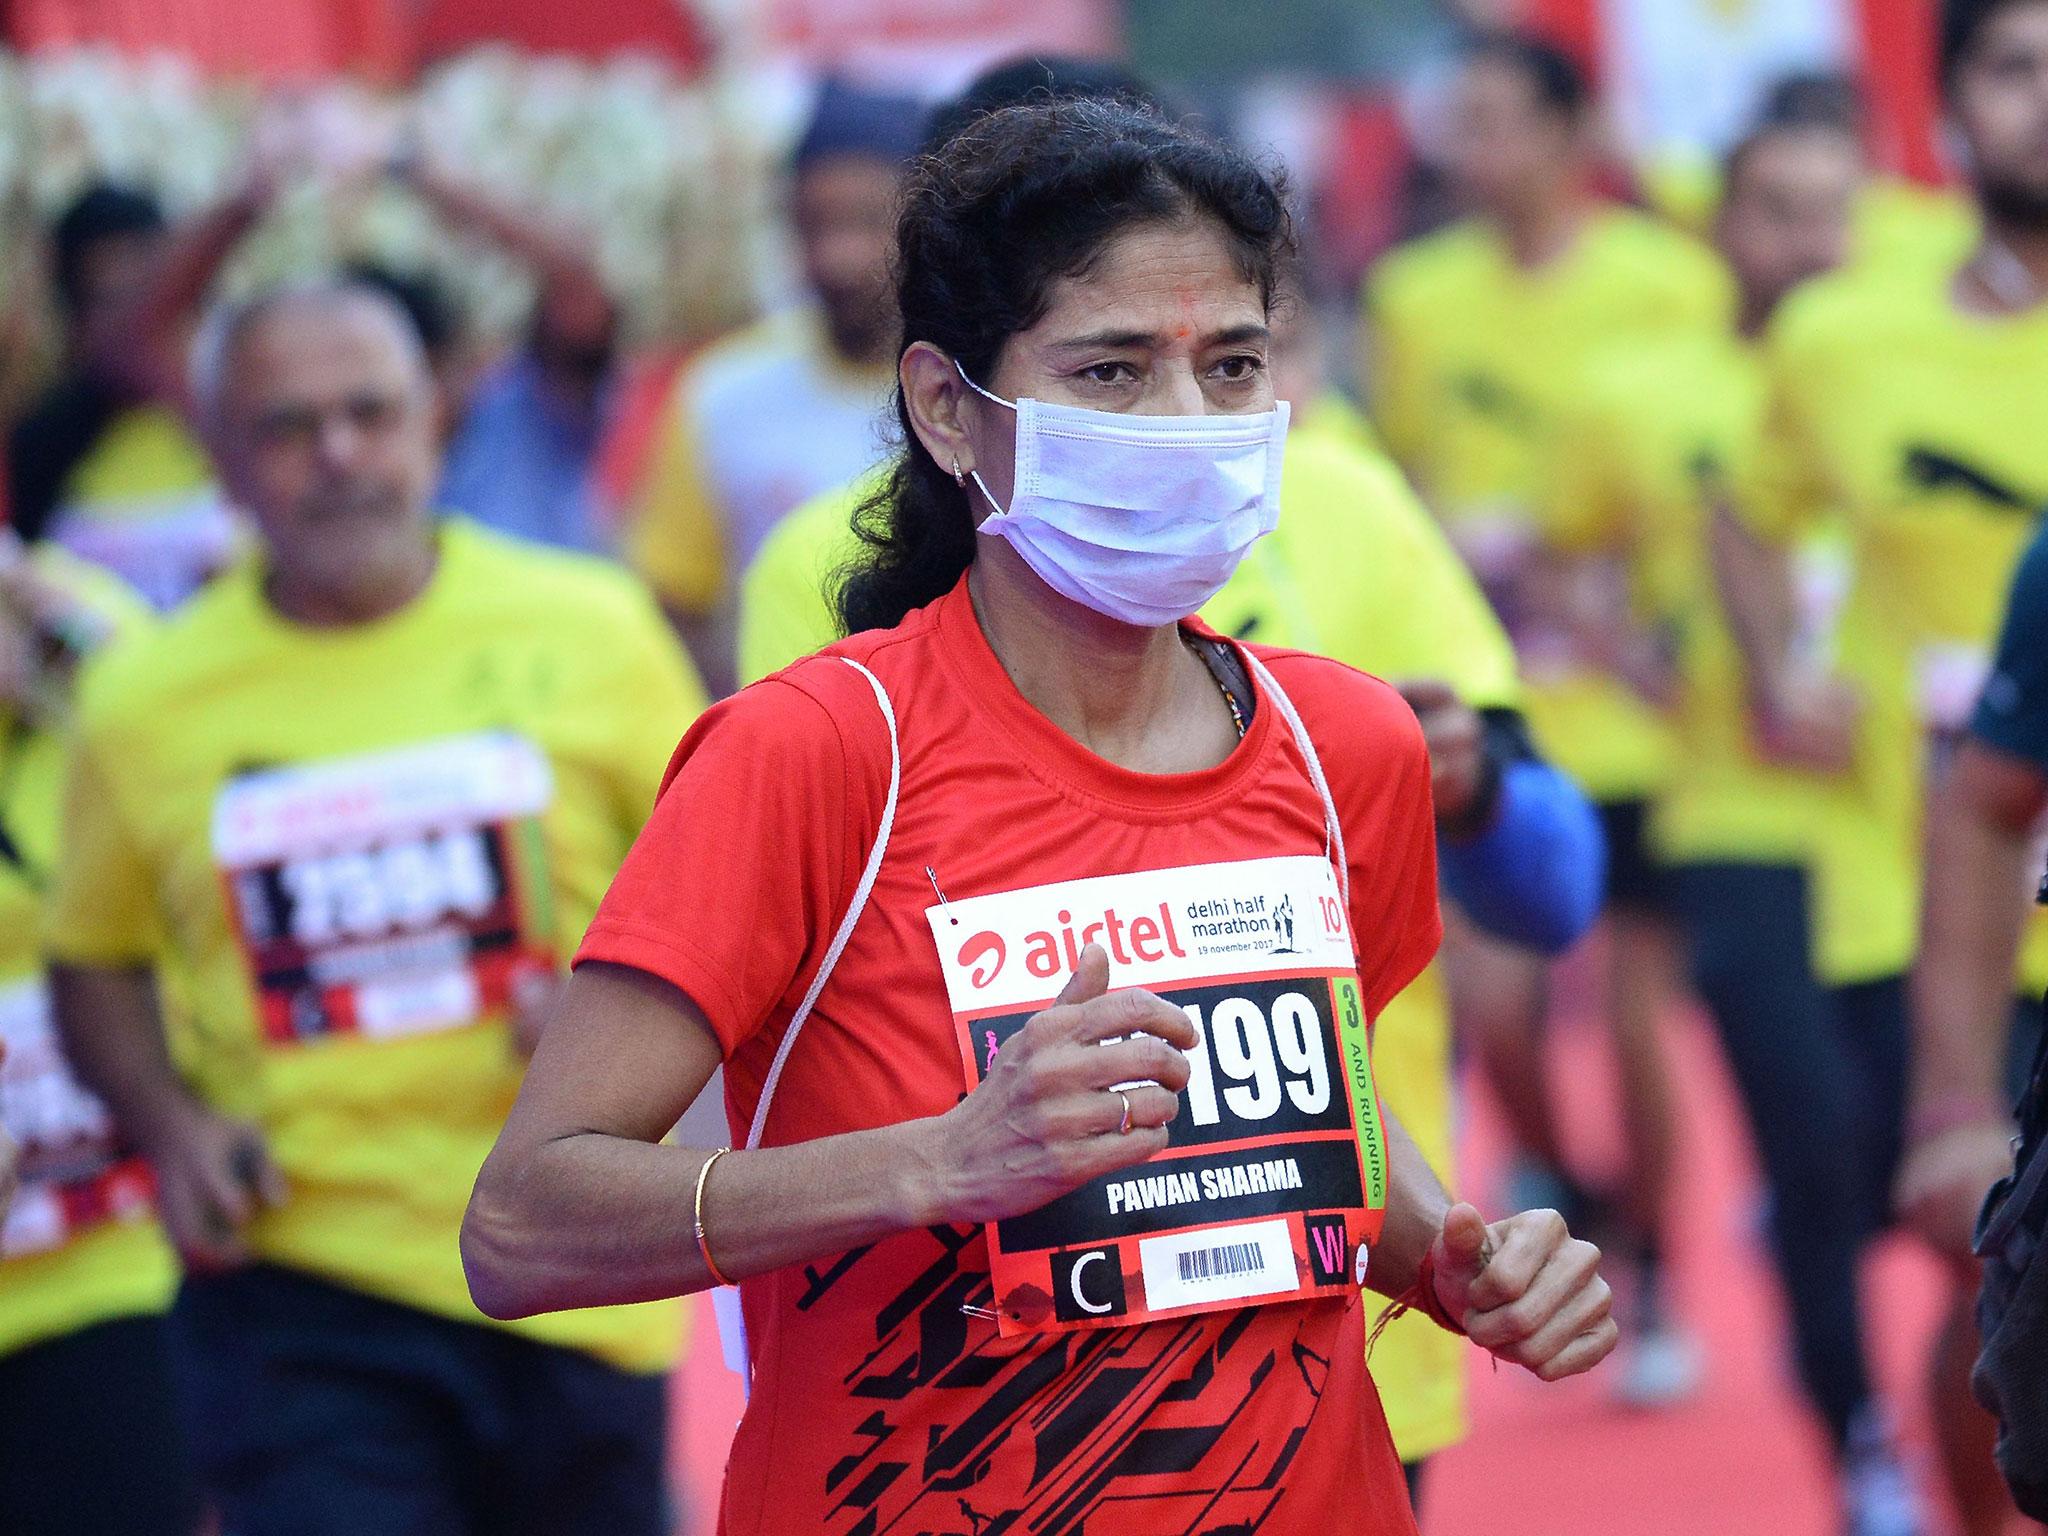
(1416, 1205)
(580, 1204)
(594, 1220)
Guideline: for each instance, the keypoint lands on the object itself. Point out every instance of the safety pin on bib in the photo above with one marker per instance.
(932, 875)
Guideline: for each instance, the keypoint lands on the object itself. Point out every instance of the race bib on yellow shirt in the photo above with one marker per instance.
(1274, 1180)
(73, 1177)
(389, 894)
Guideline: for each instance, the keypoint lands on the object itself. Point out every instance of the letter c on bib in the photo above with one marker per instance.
(1079, 1293)
(1096, 1308)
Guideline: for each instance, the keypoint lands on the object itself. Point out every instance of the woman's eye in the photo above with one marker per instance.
(1108, 373)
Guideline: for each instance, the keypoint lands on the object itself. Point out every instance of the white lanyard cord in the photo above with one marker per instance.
(859, 904)
(1333, 830)
(725, 1303)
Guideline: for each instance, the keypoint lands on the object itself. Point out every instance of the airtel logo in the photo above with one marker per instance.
(983, 946)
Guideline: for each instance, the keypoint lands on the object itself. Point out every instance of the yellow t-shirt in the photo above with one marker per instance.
(1359, 571)
(1682, 184)
(351, 850)
(1919, 429)
(79, 1244)
(1913, 228)
(1660, 431)
(1476, 361)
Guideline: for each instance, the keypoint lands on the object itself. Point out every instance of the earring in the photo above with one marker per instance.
(959, 478)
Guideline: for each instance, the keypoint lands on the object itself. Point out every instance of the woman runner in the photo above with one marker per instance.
(1014, 1246)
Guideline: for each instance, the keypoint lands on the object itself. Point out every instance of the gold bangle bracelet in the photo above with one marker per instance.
(704, 1247)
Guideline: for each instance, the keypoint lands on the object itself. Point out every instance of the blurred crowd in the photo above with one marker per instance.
(345, 632)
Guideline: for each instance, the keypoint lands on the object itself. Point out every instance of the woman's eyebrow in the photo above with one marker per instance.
(1112, 340)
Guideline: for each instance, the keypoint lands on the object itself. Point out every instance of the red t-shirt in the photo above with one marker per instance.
(877, 1404)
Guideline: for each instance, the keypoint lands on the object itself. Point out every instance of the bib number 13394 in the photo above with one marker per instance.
(1273, 1183)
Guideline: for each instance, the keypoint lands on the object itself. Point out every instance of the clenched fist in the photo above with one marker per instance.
(1525, 1290)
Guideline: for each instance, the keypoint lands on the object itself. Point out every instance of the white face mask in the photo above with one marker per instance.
(1141, 518)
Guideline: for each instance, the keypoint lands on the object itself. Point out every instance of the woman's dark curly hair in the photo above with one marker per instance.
(991, 219)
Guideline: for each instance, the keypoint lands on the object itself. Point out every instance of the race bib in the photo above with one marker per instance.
(1274, 1180)
(390, 894)
(73, 1176)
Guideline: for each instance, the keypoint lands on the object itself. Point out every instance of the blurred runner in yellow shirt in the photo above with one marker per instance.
(352, 807)
(1909, 407)
(102, 461)
(1479, 339)
(1662, 430)
(90, 1442)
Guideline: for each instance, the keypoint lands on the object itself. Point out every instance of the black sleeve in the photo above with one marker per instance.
(47, 444)
(2013, 713)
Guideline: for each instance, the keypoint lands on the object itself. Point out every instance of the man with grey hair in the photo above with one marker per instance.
(350, 807)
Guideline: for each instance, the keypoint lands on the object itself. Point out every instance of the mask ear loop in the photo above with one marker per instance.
(1008, 405)
(975, 474)
(981, 485)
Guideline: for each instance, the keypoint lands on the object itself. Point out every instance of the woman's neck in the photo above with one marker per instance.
(1136, 697)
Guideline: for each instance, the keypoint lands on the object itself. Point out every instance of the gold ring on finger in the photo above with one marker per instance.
(1123, 1126)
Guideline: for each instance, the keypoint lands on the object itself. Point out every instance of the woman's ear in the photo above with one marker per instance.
(935, 395)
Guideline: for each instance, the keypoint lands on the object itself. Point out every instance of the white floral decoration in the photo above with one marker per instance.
(674, 182)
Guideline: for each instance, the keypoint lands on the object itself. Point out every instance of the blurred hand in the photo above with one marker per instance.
(1811, 721)
(1045, 1119)
(213, 1175)
(1944, 1178)
(1525, 1290)
(1457, 746)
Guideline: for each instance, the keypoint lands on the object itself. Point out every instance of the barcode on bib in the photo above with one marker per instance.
(1254, 1258)
(1214, 1263)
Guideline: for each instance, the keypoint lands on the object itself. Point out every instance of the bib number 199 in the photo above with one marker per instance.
(1252, 1049)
